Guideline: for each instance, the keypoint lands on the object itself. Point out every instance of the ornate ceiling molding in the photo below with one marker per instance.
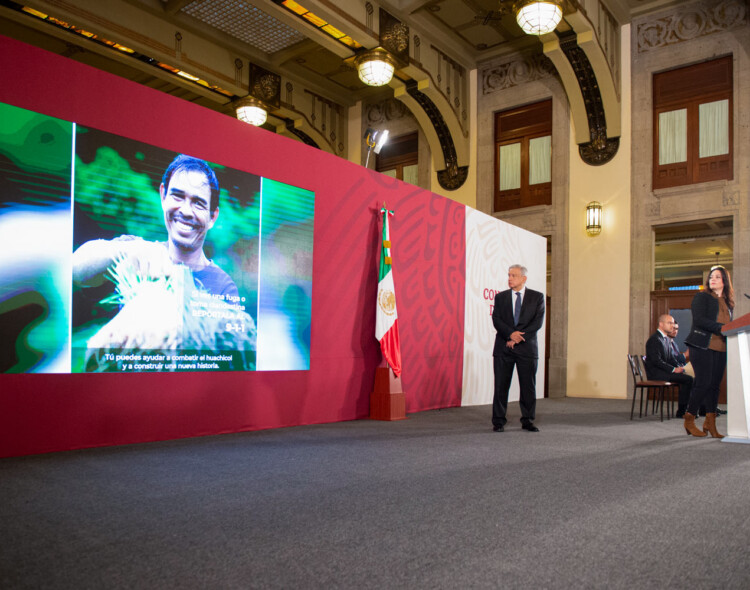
(691, 22)
(386, 110)
(599, 150)
(591, 89)
(453, 176)
(516, 72)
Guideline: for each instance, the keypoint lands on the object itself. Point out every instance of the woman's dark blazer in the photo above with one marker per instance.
(705, 308)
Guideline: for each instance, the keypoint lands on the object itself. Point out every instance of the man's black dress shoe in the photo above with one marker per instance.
(498, 428)
(719, 411)
(529, 426)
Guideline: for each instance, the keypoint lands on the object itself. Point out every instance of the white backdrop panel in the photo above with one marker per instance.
(491, 247)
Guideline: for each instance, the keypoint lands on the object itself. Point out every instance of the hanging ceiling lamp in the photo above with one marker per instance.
(375, 67)
(250, 110)
(538, 17)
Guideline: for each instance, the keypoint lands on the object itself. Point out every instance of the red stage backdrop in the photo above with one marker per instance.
(43, 412)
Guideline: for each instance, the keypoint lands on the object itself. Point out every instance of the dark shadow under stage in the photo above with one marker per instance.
(435, 501)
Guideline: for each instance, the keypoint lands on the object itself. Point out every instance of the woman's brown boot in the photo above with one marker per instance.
(690, 426)
(709, 425)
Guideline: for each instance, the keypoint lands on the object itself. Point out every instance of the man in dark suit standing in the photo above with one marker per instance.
(665, 363)
(517, 316)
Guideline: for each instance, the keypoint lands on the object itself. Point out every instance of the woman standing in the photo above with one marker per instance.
(712, 308)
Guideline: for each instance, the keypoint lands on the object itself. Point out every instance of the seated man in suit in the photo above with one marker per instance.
(518, 315)
(665, 363)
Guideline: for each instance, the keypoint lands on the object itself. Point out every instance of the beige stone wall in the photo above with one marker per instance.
(599, 275)
(662, 41)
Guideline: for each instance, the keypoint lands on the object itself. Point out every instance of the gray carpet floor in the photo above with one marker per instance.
(435, 501)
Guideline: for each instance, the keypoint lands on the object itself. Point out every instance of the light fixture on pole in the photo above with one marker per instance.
(594, 218)
(375, 141)
(538, 17)
(375, 67)
(250, 110)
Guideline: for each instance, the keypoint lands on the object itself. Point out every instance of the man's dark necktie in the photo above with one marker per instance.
(517, 309)
(668, 346)
(673, 348)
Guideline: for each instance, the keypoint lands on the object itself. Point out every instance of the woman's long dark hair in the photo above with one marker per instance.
(728, 293)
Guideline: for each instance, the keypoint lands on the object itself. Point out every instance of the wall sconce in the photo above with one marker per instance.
(250, 110)
(594, 218)
(375, 67)
(375, 141)
(538, 17)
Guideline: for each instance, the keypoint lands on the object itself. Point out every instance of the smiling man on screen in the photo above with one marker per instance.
(189, 194)
(169, 295)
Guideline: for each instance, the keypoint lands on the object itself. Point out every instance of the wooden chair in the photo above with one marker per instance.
(669, 388)
(658, 387)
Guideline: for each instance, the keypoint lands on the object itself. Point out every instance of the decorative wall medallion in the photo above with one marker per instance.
(265, 85)
(394, 37)
(290, 93)
(730, 199)
(453, 178)
(269, 86)
(596, 155)
(238, 65)
(397, 37)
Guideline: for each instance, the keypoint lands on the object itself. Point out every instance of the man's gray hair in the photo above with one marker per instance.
(520, 267)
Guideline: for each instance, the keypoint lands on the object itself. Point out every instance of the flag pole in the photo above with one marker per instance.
(387, 400)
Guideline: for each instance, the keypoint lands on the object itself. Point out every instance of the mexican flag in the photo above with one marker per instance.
(386, 320)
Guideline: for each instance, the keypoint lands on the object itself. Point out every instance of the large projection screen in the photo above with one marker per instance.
(120, 256)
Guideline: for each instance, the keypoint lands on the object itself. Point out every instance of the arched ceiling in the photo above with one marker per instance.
(471, 31)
